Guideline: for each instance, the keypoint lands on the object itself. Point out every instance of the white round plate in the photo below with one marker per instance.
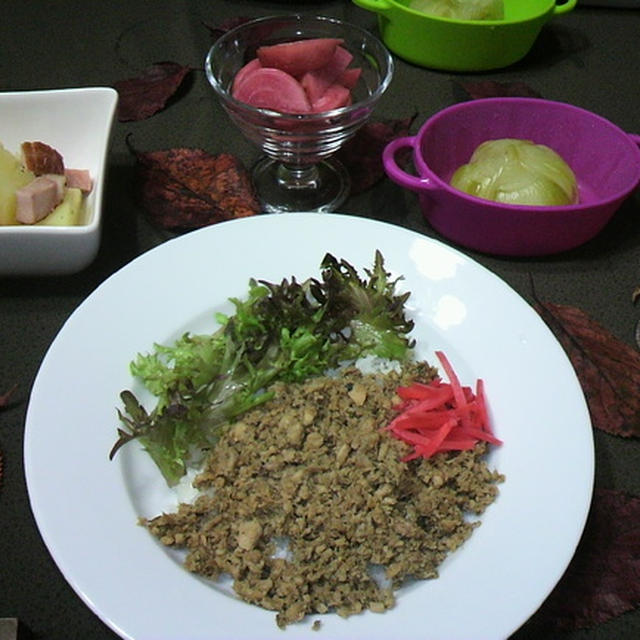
(87, 507)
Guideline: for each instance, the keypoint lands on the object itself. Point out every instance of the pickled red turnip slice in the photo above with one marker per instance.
(240, 76)
(270, 88)
(334, 97)
(299, 56)
(317, 81)
(349, 77)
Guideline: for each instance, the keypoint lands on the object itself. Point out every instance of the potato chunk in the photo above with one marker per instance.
(13, 176)
(68, 212)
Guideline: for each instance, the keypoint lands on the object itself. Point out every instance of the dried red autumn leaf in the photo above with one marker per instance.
(219, 30)
(602, 581)
(6, 396)
(184, 188)
(495, 89)
(362, 155)
(608, 369)
(143, 96)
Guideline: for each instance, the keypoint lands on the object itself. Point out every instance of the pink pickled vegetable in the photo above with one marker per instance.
(245, 71)
(273, 89)
(300, 55)
(349, 77)
(316, 81)
(458, 392)
(304, 76)
(440, 416)
(334, 97)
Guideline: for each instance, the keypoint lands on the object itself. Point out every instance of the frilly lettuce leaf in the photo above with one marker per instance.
(287, 331)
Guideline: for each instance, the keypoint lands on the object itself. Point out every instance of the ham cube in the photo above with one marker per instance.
(300, 55)
(59, 180)
(36, 200)
(79, 179)
(317, 81)
(269, 88)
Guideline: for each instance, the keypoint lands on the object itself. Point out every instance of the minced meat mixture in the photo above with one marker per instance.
(309, 496)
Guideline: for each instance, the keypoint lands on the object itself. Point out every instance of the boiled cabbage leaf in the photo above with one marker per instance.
(514, 171)
(461, 9)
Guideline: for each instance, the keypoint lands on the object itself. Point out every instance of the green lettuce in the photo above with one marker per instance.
(287, 331)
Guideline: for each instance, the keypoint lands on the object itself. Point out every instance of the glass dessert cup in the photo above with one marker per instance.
(298, 172)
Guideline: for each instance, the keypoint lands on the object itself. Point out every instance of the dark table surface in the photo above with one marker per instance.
(589, 57)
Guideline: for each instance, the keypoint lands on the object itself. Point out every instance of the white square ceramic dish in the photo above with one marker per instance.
(76, 122)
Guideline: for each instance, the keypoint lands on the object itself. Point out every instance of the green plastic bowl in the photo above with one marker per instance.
(463, 45)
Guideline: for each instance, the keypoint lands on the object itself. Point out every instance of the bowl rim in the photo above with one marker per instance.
(426, 172)
(550, 6)
(302, 117)
(98, 188)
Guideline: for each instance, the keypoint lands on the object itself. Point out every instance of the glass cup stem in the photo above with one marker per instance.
(320, 187)
(298, 177)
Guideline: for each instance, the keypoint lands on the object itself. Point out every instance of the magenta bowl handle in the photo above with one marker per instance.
(635, 138)
(399, 175)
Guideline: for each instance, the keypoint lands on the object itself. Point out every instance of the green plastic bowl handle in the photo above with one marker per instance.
(380, 6)
(563, 8)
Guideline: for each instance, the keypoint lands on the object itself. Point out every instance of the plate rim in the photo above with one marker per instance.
(177, 243)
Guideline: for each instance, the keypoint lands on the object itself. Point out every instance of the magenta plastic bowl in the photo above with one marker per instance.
(605, 159)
